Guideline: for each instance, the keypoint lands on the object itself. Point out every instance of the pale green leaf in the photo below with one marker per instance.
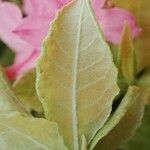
(24, 89)
(76, 76)
(19, 133)
(122, 124)
(141, 140)
(84, 143)
(126, 56)
(8, 101)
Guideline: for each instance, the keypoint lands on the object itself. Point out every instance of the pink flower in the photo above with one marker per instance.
(25, 35)
(26, 53)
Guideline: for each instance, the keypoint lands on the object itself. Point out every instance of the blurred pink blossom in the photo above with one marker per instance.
(24, 35)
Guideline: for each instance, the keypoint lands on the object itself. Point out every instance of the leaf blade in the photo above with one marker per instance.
(123, 123)
(29, 134)
(69, 67)
(126, 58)
(141, 10)
(142, 136)
(84, 143)
(8, 100)
(24, 89)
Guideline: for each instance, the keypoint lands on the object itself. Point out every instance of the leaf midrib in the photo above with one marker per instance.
(74, 84)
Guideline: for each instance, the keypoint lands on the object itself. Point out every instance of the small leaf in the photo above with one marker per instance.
(122, 123)
(84, 143)
(22, 133)
(24, 89)
(141, 10)
(8, 101)
(126, 58)
(76, 76)
(141, 140)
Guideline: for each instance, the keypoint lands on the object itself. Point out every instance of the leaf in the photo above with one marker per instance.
(126, 58)
(141, 140)
(76, 76)
(84, 143)
(24, 89)
(141, 9)
(8, 101)
(122, 124)
(17, 132)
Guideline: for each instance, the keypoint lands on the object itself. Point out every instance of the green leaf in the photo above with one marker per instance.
(76, 76)
(22, 133)
(84, 143)
(24, 89)
(126, 56)
(8, 101)
(141, 140)
(122, 124)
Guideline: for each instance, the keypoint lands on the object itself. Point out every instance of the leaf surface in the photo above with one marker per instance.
(24, 88)
(17, 132)
(84, 143)
(123, 123)
(8, 100)
(126, 56)
(141, 140)
(76, 80)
